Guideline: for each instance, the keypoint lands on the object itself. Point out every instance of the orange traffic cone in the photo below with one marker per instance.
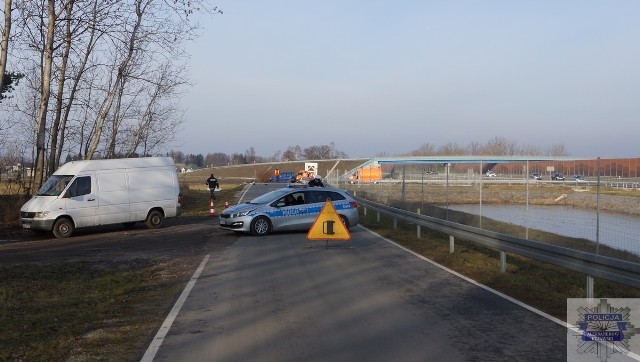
(212, 210)
(226, 204)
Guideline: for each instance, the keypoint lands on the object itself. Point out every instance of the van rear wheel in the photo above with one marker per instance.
(154, 219)
(62, 228)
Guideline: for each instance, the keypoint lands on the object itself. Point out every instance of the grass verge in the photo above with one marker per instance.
(196, 202)
(85, 310)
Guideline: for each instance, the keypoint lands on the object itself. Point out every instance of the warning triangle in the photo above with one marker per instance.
(328, 225)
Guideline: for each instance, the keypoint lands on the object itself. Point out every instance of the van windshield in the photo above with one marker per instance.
(54, 185)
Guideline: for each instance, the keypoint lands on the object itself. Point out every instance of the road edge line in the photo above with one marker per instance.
(491, 290)
(155, 344)
(500, 294)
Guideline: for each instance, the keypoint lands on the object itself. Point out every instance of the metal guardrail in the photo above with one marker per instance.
(620, 271)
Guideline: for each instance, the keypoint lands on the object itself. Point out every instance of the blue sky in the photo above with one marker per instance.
(388, 76)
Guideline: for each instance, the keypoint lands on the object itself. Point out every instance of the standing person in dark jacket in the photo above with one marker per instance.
(316, 182)
(212, 183)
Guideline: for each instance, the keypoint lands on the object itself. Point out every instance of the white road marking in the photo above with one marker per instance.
(513, 300)
(153, 348)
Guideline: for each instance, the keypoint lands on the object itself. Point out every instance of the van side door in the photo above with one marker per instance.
(81, 201)
(114, 205)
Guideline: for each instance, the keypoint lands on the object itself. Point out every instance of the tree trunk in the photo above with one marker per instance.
(44, 100)
(4, 46)
(55, 128)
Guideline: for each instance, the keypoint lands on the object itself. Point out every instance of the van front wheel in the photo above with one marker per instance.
(62, 228)
(154, 219)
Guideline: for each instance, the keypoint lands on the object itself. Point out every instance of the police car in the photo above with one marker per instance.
(288, 209)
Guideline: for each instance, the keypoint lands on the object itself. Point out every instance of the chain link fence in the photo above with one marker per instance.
(597, 214)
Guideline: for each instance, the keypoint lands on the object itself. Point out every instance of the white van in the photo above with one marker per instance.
(102, 192)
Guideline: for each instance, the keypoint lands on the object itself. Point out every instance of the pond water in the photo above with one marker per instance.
(620, 231)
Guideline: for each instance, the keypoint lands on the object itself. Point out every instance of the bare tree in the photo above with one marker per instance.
(178, 156)
(53, 161)
(315, 152)
(499, 146)
(474, 148)
(98, 54)
(157, 27)
(452, 149)
(96, 16)
(238, 159)
(250, 155)
(218, 159)
(4, 43)
(277, 156)
(120, 76)
(292, 153)
(47, 52)
(323, 152)
(529, 150)
(557, 150)
(160, 119)
(426, 149)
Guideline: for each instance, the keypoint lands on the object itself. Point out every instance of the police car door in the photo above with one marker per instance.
(290, 215)
(314, 201)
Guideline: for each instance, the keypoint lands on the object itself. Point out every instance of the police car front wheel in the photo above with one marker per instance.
(260, 226)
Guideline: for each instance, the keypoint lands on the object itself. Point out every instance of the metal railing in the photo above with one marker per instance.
(624, 272)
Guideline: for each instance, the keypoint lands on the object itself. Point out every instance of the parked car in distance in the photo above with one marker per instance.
(431, 173)
(577, 178)
(288, 209)
(557, 177)
(491, 174)
(284, 176)
(536, 176)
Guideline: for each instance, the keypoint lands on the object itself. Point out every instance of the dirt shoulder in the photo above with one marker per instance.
(177, 236)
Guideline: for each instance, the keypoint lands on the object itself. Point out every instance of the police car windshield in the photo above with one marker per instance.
(54, 185)
(269, 197)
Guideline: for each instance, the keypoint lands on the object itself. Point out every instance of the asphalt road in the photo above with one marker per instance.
(284, 298)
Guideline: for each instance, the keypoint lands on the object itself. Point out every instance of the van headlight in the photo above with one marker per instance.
(42, 214)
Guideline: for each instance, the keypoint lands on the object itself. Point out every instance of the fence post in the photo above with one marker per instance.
(395, 222)
(418, 229)
(589, 287)
(365, 211)
(451, 244)
(503, 261)
(378, 217)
